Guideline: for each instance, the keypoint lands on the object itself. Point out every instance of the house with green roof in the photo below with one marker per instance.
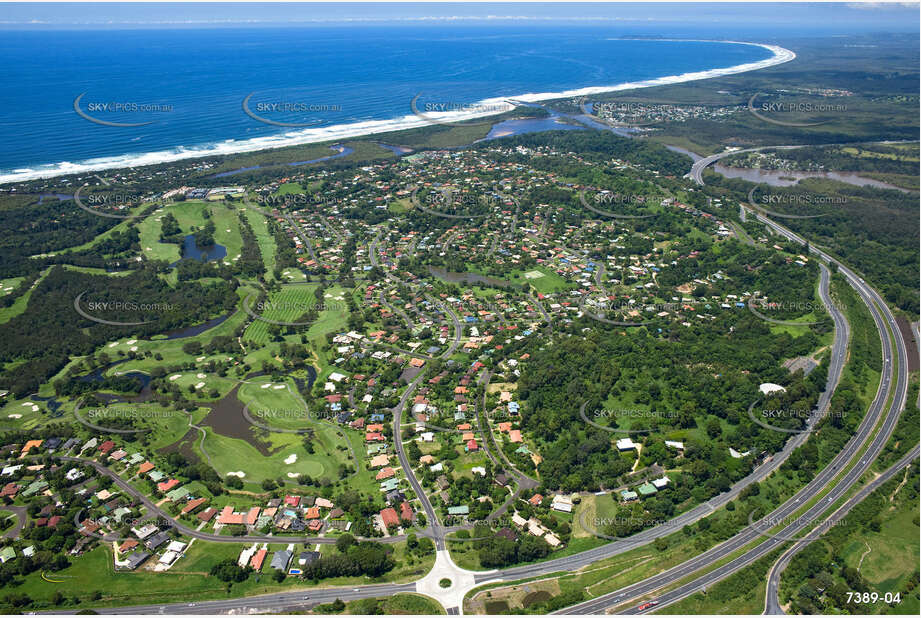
(156, 476)
(34, 487)
(459, 510)
(7, 553)
(374, 449)
(180, 493)
(523, 450)
(627, 495)
(390, 484)
(647, 489)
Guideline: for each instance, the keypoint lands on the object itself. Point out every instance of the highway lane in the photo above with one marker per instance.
(698, 167)
(270, 603)
(882, 317)
(772, 602)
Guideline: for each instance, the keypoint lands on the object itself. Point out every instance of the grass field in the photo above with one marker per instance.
(264, 238)
(287, 305)
(20, 304)
(93, 573)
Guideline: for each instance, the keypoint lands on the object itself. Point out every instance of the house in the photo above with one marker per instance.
(323, 503)
(501, 480)
(471, 446)
(136, 559)
(308, 557)
(394, 496)
(628, 496)
(156, 540)
(459, 510)
(674, 444)
(281, 559)
(406, 512)
(661, 483)
(191, 505)
(647, 489)
(514, 435)
(389, 517)
(380, 460)
(552, 541)
(258, 559)
(7, 553)
(562, 504)
(626, 444)
(129, 544)
(518, 520)
(535, 500)
(385, 473)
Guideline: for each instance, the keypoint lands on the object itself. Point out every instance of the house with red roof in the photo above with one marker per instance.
(406, 512)
(472, 446)
(385, 473)
(191, 505)
(167, 485)
(257, 559)
(390, 517)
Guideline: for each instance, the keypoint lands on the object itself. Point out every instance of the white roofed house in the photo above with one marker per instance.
(626, 444)
(660, 483)
(562, 504)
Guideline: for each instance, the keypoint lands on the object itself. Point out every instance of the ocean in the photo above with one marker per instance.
(156, 95)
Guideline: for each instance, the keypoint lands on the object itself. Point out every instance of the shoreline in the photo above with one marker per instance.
(342, 132)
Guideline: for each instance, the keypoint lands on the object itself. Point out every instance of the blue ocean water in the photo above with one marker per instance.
(329, 77)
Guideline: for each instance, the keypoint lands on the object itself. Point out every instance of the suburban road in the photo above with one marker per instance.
(897, 385)
(772, 602)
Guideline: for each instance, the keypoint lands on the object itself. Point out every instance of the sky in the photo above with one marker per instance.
(849, 17)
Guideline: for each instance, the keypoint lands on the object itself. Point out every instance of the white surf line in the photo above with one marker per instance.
(486, 107)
